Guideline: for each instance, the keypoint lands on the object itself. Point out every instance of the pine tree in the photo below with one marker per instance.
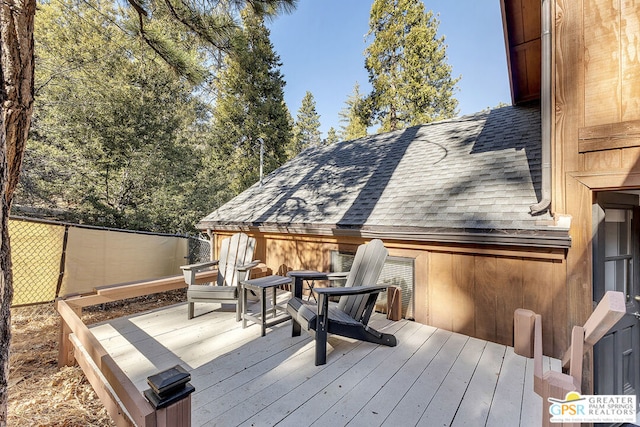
(16, 101)
(355, 126)
(307, 128)
(110, 124)
(250, 108)
(407, 66)
(169, 28)
(332, 136)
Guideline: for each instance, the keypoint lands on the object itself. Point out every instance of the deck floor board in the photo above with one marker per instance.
(432, 377)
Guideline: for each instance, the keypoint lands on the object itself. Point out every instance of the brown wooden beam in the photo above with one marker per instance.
(89, 352)
(608, 312)
(609, 136)
(104, 393)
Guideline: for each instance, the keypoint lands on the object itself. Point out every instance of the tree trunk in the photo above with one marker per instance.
(16, 98)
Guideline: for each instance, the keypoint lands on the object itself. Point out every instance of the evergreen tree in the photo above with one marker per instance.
(407, 66)
(306, 132)
(332, 136)
(250, 108)
(170, 27)
(111, 123)
(17, 95)
(355, 126)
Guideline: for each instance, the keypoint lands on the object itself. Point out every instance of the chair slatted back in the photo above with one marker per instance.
(235, 251)
(365, 270)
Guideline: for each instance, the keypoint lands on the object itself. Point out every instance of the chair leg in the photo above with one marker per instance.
(243, 299)
(190, 310)
(322, 327)
(296, 329)
(240, 303)
(321, 347)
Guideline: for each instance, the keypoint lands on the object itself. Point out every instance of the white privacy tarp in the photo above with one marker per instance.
(105, 257)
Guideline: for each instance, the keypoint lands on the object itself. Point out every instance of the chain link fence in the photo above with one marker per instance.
(45, 257)
(37, 253)
(199, 249)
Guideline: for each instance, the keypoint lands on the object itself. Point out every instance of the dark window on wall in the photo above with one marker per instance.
(397, 271)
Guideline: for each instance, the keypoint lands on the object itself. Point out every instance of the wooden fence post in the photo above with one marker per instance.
(65, 347)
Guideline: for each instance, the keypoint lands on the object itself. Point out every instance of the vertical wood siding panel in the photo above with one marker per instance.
(463, 307)
(602, 61)
(486, 297)
(522, 86)
(603, 160)
(538, 283)
(560, 332)
(421, 300)
(515, 23)
(510, 298)
(533, 60)
(630, 46)
(569, 95)
(531, 19)
(440, 290)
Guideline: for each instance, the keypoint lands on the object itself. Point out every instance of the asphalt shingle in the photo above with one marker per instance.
(477, 172)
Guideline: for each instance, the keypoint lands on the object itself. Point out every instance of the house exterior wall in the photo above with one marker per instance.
(471, 289)
(596, 143)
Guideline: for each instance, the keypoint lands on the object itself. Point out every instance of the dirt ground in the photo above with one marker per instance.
(40, 394)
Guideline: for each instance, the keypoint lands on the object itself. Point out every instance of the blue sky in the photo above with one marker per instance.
(321, 47)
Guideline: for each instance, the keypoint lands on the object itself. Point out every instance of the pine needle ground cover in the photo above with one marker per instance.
(41, 394)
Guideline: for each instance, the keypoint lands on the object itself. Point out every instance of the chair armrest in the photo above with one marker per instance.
(247, 267)
(353, 290)
(339, 275)
(189, 271)
(199, 266)
(325, 293)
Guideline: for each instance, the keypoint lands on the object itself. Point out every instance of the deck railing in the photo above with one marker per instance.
(124, 402)
(528, 339)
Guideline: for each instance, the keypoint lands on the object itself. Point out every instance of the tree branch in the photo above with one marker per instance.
(138, 9)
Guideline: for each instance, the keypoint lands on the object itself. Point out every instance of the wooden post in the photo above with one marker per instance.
(556, 385)
(65, 347)
(577, 353)
(170, 395)
(175, 415)
(553, 384)
(523, 326)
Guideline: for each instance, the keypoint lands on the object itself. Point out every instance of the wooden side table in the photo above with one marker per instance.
(260, 285)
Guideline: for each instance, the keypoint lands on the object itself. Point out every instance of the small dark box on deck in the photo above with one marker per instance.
(168, 387)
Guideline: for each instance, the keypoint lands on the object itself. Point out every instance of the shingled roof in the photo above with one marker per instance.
(468, 179)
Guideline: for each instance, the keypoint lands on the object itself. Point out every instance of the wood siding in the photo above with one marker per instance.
(597, 89)
(477, 295)
(596, 143)
(473, 290)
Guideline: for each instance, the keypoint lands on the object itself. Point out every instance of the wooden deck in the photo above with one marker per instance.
(433, 377)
